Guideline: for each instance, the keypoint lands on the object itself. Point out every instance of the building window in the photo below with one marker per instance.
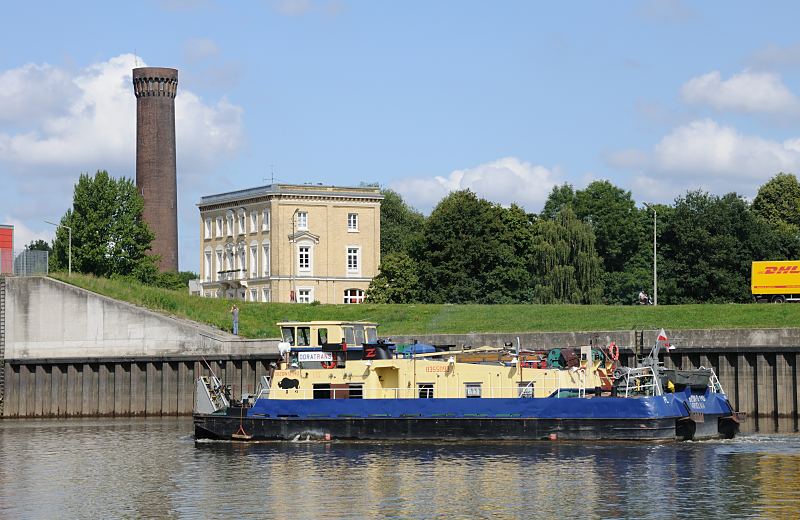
(207, 266)
(219, 264)
(242, 223)
(219, 227)
(253, 221)
(230, 223)
(266, 295)
(253, 295)
(353, 296)
(242, 259)
(353, 257)
(302, 220)
(425, 390)
(304, 258)
(253, 260)
(265, 220)
(208, 228)
(265, 259)
(472, 390)
(352, 222)
(304, 296)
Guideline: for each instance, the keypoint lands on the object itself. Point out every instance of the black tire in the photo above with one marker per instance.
(779, 298)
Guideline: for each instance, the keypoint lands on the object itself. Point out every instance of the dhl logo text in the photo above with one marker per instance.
(782, 269)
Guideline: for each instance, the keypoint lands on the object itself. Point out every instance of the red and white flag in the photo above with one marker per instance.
(662, 337)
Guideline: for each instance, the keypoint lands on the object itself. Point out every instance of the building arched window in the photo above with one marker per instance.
(230, 222)
(207, 265)
(353, 296)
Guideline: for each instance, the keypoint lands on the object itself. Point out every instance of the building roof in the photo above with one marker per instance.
(303, 190)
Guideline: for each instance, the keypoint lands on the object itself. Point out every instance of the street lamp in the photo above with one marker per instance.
(655, 260)
(294, 257)
(69, 254)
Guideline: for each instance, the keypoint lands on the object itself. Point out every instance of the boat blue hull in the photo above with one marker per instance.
(598, 418)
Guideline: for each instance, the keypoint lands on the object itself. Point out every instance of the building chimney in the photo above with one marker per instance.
(156, 178)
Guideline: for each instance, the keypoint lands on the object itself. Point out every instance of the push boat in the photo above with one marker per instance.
(364, 388)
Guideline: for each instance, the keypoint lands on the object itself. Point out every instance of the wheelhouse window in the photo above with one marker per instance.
(472, 390)
(372, 335)
(352, 222)
(322, 336)
(353, 296)
(349, 337)
(425, 390)
(303, 336)
(287, 333)
(359, 335)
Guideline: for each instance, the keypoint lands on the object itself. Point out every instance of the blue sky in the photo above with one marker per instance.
(505, 98)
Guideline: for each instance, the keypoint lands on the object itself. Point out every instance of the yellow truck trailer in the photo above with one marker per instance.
(776, 281)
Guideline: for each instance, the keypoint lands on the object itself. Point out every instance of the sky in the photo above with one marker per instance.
(505, 98)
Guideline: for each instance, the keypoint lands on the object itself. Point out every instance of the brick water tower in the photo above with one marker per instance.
(156, 177)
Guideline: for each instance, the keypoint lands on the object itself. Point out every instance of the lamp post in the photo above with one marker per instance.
(655, 259)
(69, 253)
(294, 257)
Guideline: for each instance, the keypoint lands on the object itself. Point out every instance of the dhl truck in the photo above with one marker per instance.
(776, 281)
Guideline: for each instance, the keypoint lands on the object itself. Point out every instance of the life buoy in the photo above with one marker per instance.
(329, 364)
(613, 351)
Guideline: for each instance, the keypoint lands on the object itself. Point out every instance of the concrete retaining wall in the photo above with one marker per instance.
(48, 319)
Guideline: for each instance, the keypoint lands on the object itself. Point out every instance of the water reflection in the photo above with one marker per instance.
(153, 468)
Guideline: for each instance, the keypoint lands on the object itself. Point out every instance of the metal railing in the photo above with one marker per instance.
(24, 263)
(641, 381)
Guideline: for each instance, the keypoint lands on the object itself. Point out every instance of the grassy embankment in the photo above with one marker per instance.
(257, 320)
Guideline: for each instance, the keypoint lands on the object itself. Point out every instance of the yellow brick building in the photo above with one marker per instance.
(286, 242)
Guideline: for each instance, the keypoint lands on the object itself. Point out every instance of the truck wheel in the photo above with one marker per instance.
(779, 298)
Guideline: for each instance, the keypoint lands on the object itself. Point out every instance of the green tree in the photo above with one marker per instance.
(109, 236)
(471, 252)
(397, 281)
(778, 200)
(560, 197)
(401, 226)
(564, 262)
(707, 246)
(39, 245)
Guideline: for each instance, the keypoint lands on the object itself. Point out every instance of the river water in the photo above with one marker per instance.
(152, 468)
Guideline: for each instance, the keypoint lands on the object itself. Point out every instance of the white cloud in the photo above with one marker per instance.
(508, 180)
(704, 154)
(305, 7)
(24, 235)
(85, 121)
(744, 92)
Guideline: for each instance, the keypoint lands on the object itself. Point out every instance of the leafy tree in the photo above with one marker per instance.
(565, 265)
(39, 245)
(108, 234)
(401, 226)
(560, 197)
(470, 253)
(397, 281)
(613, 216)
(707, 246)
(778, 200)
